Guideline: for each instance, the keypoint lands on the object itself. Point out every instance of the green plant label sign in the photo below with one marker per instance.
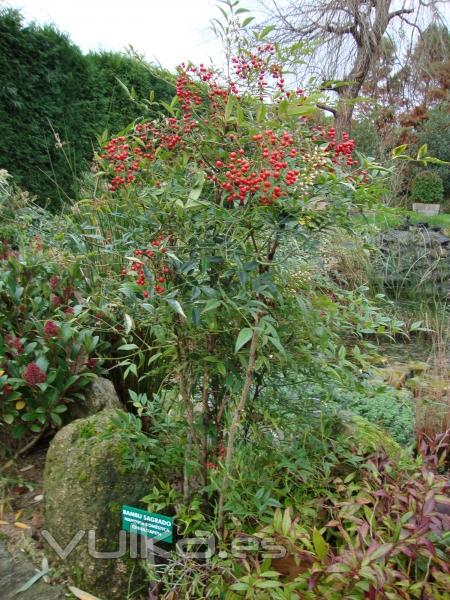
(151, 525)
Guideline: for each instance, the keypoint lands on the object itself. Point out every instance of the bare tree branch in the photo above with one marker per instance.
(347, 36)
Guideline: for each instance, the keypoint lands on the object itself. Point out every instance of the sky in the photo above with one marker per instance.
(165, 31)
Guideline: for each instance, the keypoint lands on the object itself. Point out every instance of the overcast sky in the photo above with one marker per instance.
(165, 31)
(168, 31)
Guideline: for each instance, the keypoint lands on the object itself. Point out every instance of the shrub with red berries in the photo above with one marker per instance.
(233, 179)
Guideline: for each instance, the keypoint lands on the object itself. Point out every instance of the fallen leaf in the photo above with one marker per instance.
(4, 522)
(30, 582)
(82, 595)
(38, 498)
(27, 468)
(21, 525)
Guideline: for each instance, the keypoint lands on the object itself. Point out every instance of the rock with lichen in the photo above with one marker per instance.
(85, 486)
(100, 395)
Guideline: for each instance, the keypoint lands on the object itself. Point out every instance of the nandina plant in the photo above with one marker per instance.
(234, 178)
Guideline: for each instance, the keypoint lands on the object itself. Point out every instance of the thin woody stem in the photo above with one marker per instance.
(237, 416)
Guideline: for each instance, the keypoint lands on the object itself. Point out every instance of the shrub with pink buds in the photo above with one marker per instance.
(33, 374)
(51, 329)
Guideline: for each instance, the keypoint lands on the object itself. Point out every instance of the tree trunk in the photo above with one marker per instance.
(367, 46)
(343, 117)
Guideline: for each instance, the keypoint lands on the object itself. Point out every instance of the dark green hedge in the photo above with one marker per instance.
(49, 90)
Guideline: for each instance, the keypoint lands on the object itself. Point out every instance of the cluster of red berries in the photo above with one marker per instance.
(267, 174)
(126, 160)
(343, 148)
(187, 94)
(187, 87)
(240, 176)
(220, 456)
(260, 64)
(117, 152)
(154, 259)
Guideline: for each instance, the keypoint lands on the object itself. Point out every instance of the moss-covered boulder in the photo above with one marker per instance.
(100, 395)
(85, 486)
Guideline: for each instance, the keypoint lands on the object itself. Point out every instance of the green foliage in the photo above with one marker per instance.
(435, 132)
(46, 354)
(110, 106)
(383, 536)
(201, 217)
(198, 246)
(54, 102)
(157, 439)
(389, 408)
(367, 137)
(47, 344)
(45, 86)
(365, 514)
(427, 187)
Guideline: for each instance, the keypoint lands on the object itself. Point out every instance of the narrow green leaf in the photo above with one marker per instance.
(320, 545)
(381, 551)
(422, 152)
(229, 108)
(127, 347)
(176, 306)
(244, 336)
(261, 112)
(31, 581)
(211, 305)
(247, 21)
(265, 32)
(287, 522)
(276, 342)
(239, 587)
(268, 584)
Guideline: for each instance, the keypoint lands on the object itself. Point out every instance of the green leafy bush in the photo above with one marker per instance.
(373, 525)
(427, 187)
(47, 354)
(435, 132)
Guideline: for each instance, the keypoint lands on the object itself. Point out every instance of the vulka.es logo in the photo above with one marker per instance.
(201, 547)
